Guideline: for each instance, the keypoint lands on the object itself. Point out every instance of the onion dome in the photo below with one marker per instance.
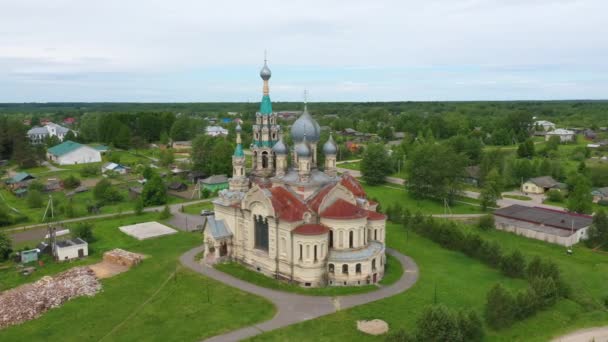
(330, 148)
(265, 72)
(302, 149)
(238, 128)
(280, 148)
(305, 125)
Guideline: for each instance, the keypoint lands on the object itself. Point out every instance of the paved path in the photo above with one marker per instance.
(39, 230)
(585, 335)
(294, 308)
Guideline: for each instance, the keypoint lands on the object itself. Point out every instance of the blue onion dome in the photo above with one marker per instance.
(330, 147)
(302, 150)
(265, 72)
(280, 148)
(238, 128)
(305, 125)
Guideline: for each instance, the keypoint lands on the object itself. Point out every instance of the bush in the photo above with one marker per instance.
(165, 214)
(6, 246)
(486, 222)
(513, 265)
(71, 182)
(34, 199)
(139, 207)
(154, 192)
(500, 307)
(555, 195)
(84, 231)
(104, 192)
(438, 323)
(90, 170)
(470, 325)
(205, 193)
(35, 186)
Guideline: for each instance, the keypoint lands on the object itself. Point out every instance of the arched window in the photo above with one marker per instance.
(264, 160)
(345, 269)
(373, 264)
(331, 238)
(315, 254)
(301, 252)
(261, 233)
(307, 252)
(331, 268)
(375, 234)
(341, 239)
(358, 268)
(351, 239)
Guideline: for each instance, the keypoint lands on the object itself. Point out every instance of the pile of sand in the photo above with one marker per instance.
(373, 327)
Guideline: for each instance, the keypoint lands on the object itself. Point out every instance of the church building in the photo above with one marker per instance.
(290, 218)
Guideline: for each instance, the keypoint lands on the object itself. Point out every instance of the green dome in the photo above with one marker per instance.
(238, 151)
(266, 105)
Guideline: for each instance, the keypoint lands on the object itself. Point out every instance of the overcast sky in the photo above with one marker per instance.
(148, 50)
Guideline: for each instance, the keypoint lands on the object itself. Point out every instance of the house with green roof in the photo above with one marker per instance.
(70, 153)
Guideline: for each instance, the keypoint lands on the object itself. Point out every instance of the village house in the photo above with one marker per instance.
(544, 125)
(540, 185)
(70, 153)
(215, 131)
(214, 183)
(553, 226)
(71, 249)
(600, 194)
(564, 135)
(116, 168)
(38, 135)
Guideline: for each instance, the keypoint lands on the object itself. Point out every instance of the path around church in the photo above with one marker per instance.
(295, 308)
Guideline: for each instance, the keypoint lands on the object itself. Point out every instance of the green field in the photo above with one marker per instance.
(390, 194)
(394, 270)
(195, 209)
(461, 283)
(141, 305)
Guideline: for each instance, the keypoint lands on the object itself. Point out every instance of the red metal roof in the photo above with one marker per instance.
(311, 229)
(343, 210)
(287, 205)
(315, 202)
(353, 185)
(372, 215)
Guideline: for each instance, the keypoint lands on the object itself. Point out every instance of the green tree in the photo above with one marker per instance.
(154, 192)
(486, 222)
(500, 307)
(438, 323)
(580, 199)
(6, 246)
(471, 326)
(526, 149)
(84, 230)
(428, 175)
(182, 129)
(514, 265)
(71, 182)
(104, 192)
(138, 207)
(375, 165)
(598, 232)
(492, 189)
(166, 157)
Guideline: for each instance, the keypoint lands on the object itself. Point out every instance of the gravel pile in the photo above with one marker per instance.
(32, 300)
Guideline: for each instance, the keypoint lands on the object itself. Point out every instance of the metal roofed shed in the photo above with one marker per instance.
(554, 226)
(29, 256)
(71, 249)
(147, 230)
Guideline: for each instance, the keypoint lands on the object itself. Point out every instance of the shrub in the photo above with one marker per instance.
(205, 193)
(486, 222)
(513, 265)
(470, 325)
(90, 170)
(154, 192)
(34, 199)
(139, 206)
(104, 192)
(71, 182)
(500, 307)
(35, 186)
(84, 230)
(6, 246)
(438, 323)
(555, 195)
(165, 214)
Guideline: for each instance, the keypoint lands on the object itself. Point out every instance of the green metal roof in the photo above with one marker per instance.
(101, 147)
(64, 148)
(266, 105)
(238, 151)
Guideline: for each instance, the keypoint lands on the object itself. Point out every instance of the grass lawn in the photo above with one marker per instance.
(462, 282)
(518, 197)
(187, 307)
(394, 270)
(350, 165)
(389, 194)
(195, 209)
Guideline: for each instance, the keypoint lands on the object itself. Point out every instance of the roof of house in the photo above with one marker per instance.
(311, 229)
(217, 228)
(64, 148)
(177, 185)
(547, 217)
(215, 179)
(561, 131)
(316, 199)
(375, 216)
(343, 210)
(20, 177)
(351, 255)
(70, 242)
(114, 166)
(353, 185)
(601, 191)
(544, 181)
(286, 204)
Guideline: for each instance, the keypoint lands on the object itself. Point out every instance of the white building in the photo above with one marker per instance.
(564, 135)
(69, 153)
(117, 168)
(38, 135)
(553, 226)
(289, 220)
(545, 125)
(215, 131)
(71, 249)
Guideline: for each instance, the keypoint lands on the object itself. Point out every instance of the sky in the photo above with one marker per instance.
(210, 51)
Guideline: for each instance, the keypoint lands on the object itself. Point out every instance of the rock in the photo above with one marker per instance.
(373, 327)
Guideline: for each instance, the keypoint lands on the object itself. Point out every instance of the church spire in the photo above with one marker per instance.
(265, 73)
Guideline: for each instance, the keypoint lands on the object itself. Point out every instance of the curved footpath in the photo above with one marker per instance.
(599, 334)
(294, 308)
